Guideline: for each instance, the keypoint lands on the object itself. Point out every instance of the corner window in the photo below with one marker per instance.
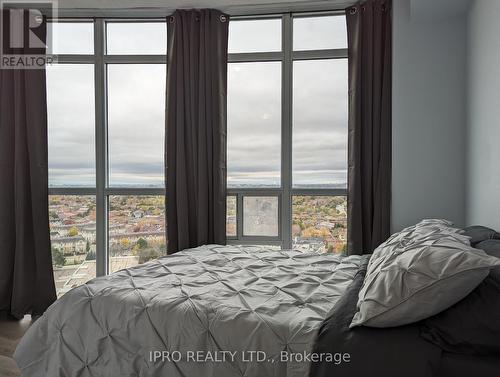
(106, 113)
(287, 132)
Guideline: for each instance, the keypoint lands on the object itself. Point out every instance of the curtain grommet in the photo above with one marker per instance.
(171, 19)
(353, 11)
(223, 18)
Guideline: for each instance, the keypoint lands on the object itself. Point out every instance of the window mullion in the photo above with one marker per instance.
(286, 133)
(101, 150)
(239, 216)
(321, 54)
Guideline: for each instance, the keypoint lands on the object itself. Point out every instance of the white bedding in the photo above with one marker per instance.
(210, 299)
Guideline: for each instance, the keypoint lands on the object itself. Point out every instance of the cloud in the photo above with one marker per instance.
(136, 104)
(136, 125)
(319, 123)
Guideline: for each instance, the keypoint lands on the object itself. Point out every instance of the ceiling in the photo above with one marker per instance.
(230, 6)
(420, 9)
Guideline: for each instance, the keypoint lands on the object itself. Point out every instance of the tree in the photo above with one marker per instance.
(301, 225)
(323, 232)
(90, 255)
(125, 243)
(73, 231)
(87, 247)
(58, 257)
(340, 248)
(148, 254)
(142, 243)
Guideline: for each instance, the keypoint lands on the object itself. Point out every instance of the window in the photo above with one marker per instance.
(287, 138)
(254, 35)
(71, 125)
(136, 38)
(287, 131)
(254, 116)
(136, 230)
(319, 223)
(260, 216)
(231, 226)
(106, 147)
(320, 123)
(319, 33)
(73, 240)
(71, 37)
(136, 124)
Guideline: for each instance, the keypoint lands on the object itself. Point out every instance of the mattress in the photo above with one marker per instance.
(209, 311)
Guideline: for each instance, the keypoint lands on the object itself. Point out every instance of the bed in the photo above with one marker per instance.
(200, 312)
(242, 311)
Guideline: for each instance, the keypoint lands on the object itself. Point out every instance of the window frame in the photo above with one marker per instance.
(102, 192)
(286, 191)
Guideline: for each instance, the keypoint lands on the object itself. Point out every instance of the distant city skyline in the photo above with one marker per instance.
(137, 229)
(339, 185)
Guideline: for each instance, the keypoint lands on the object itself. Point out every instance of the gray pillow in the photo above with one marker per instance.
(491, 247)
(478, 233)
(419, 272)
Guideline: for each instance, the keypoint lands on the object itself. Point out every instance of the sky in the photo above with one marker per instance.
(136, 98)
(71, 120)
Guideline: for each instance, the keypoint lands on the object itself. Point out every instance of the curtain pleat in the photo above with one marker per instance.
(369, 30)
(196, 116)
(26, 276)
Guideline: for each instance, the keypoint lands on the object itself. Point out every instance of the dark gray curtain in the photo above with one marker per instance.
(196, 128)
(370, 68)
(26, 278)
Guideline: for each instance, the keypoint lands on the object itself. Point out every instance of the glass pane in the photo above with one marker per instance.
(72, 236)
(320, 97)
(260, 216)
(254, 124)
(137, 231)
(139, 38)
(231, 230)
(317, 33)
(136, 118)
(71, 37)
(319, 223)
(71, 125)
(254, 36)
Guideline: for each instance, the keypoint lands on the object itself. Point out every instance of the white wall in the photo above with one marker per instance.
(428, 113)
(483, 130)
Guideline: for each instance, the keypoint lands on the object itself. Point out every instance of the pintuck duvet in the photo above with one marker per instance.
(210, 311)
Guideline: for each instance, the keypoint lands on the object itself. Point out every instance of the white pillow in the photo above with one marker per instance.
(419, 272)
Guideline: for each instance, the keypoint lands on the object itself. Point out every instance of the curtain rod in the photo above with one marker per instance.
(236, 10)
